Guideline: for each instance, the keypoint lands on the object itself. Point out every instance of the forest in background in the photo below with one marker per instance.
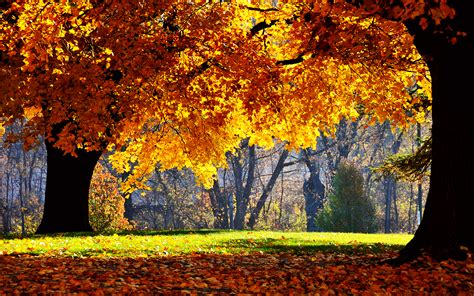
(271, 189)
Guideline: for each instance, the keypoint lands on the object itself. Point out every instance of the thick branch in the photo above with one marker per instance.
(294, 61)
(262, 26)
(261, 9)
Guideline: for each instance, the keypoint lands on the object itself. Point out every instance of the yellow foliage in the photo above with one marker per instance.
(106, 204)
(184, 88)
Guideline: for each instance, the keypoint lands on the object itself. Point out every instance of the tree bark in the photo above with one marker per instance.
(388, 204)
(314, 193)
(243, 192)
(219, 206)
(446, 225)
(68, 178)
(129, 213)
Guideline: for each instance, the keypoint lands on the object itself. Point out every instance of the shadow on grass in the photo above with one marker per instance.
(120, 233)
(271, 245)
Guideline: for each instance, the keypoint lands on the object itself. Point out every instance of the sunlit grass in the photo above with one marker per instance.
(139, 244)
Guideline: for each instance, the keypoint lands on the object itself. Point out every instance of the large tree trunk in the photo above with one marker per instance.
(68, 178)
(447, 221)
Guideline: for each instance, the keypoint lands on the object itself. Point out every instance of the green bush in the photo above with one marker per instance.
(348, 209)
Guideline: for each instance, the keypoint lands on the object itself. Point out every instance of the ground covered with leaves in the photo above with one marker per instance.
(223, 263)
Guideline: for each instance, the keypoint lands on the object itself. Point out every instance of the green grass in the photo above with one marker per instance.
(141, 244)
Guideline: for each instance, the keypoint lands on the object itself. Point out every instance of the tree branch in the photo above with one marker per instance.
(294, 61)
(261, 9)
(262, 26)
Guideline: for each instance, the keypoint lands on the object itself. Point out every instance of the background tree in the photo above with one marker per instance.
(106, 204)
(172, 201)
(348, 209)
(22, 178)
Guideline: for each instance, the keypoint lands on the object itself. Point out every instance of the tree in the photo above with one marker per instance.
(147, 78)
(95, 75)
(348, 208)
(313, 190)
(22, 186)
(443, 33)
(106, 204)
(267, 189)
(173, 201)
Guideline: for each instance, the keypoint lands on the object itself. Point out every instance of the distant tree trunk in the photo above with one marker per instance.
(219, 206)
(267, 190)
(395, 206)
(129, 209)
(388, 204)
(168, 217)
(230, 202)
(410, 209)
(128, 203)
(419, 215)
(6, 207)
(391, 187)
(21, 197)
(313, 203)
(68, 180)
(243, 192)
(314, 194)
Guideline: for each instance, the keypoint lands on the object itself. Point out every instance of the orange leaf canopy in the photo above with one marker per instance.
(182, 82)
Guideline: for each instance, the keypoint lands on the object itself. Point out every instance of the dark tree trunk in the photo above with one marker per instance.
(267, 190)
(447, 220)
(6, 207)
(314, 194)
(68, 178)
(230, 205)
(388, 204)
(243, 192)
(219, 206)
(129, 213)
(396, 217)
(314, 200)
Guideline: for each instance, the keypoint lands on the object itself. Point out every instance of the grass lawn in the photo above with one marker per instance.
(139, 244)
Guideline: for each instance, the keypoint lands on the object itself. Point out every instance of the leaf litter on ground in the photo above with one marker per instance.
(241, 263)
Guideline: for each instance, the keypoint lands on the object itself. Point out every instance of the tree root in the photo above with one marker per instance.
(416, 249)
